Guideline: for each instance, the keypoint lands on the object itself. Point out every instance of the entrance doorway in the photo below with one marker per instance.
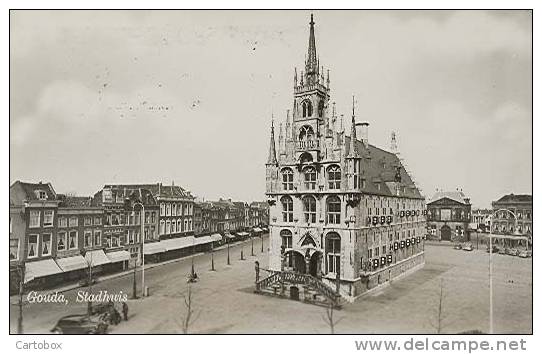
(294, 261)
(445, 233)
(315, 265)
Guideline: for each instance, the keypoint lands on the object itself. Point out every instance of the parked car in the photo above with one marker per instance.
(458, 246)
(107, 312)
(525, 253)
(495, 249)
(467, 247)
(512, 251)
(502, 250)
(80, 324)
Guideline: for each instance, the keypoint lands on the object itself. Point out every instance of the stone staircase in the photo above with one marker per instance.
(299, 286)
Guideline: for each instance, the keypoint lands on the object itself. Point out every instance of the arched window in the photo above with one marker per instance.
(287, 209)
(162, 227)
(286, 236)
(307, 108)
(334, 177)
(306, 133)
(333, 210)
(309, 209)
(305, 158)
(173, 227)
(333, 253)
(179, 225)
(287, 179)
(309, 174)
(168, 227)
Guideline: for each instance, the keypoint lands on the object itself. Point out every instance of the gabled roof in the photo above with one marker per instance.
(158, 190)
(74, 201)
(381, 166)
(456, 196)
(515, 198)
(20, 191)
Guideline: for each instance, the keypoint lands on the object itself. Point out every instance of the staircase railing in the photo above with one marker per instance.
(298, 278)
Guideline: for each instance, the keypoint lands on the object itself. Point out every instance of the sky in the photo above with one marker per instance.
(187, 97)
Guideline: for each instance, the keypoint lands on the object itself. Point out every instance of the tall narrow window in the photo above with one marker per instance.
(333, 253)
(287, 209)
(310, 177)
(48, 218)
(333, 210)
(32, 246)
(287, 179)
(87, 237)
(46, 240)
(162, 227)
(72, 240)
(286, 236)
(61, 241)
(334, 177)
(34, 218)
(309, 209)
(97, 237)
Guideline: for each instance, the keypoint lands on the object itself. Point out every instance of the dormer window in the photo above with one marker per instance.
(41, 195)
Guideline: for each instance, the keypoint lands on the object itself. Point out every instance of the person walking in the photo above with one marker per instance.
(125, 310)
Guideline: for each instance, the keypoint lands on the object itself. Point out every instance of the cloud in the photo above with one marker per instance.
(456, 86)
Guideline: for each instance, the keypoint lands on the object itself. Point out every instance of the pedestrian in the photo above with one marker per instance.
(125, 310)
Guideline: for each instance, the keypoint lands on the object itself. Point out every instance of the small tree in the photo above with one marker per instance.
(190, 315)
(329, 318)
(438, 322)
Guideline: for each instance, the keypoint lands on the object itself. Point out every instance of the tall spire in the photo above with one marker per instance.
(353, 152)
(311, 64)
(272, 159)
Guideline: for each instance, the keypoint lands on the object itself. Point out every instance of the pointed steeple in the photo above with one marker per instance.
(311, 63)
(353, 138)
(272, 158)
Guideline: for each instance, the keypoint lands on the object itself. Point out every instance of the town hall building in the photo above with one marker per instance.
(343, 212)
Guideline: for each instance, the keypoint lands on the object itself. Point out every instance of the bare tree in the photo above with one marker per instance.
(438, 322)
(190, 315)
(329, 318)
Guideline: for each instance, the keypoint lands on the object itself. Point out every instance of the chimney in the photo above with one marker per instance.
(362, 131)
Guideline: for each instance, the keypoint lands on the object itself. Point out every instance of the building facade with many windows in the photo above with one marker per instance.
(341, 209)
(504, 222)
(449, 216)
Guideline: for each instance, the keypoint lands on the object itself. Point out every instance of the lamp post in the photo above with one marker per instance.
(491, 265)
(21, 271)
(212, 256)
(142, 247)
(252, 245)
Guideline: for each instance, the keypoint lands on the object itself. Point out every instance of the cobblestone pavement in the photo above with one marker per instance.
(224, 301)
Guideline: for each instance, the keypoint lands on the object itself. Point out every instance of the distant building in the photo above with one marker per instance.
(481, 219)
(504, 209)
(448, 216)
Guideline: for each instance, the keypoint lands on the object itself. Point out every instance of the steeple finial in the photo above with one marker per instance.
(353, 108)
(311, 63)
(272, 158)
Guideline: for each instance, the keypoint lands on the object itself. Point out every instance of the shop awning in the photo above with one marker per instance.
(203, 240)
(178, 243)
(118, 256)
(97, 258)
(242, 234)
(40, 269)
(68, 264)
(153, 248)
(510, 237)
(216, 237)
(257, 229)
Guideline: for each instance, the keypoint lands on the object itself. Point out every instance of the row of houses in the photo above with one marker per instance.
(55, 238)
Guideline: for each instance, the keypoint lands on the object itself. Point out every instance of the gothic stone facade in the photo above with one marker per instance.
(339, 206)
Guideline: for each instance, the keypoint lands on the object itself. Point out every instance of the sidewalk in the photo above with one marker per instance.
(14, 299)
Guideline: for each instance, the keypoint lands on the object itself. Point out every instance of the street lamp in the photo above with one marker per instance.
(142, 246)
(491, 265)
(212, 255)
